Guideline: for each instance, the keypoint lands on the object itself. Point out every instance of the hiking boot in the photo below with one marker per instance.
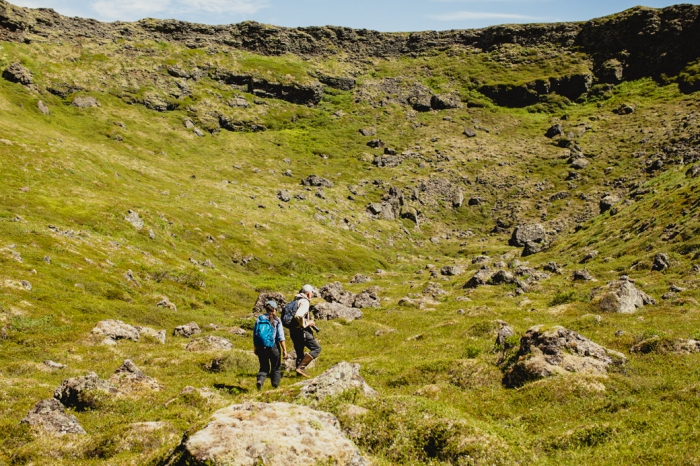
(301, 369)
(258, 385)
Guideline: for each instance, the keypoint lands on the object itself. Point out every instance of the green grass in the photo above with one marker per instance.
(441, 398)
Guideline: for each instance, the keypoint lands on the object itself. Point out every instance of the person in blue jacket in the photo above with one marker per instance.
(269, 358)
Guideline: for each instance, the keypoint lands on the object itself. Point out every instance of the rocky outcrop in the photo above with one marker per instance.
(116, 330)
(129, 378)
(342, 377)
(481, 277)
(657, 344)
(315, 180)
(50, 417)
(334, 293)
(620, 296)
(259, 307)
(558, 351)
(187, 330)
(17, 73)
(510, 95)
(330, 311)
(268, 433)
(531, 237)
(75, 392)
(367, 298)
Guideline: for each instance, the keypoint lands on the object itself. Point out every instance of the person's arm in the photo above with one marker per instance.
(280, 338)
(302, 313)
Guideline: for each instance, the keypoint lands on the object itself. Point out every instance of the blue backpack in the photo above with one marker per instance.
(264, 333)
(288, 314)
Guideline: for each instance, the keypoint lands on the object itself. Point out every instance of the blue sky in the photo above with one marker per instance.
(382, 15)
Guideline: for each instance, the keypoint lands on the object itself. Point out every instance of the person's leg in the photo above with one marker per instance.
(275, 371)
(264, 360)
(313, 345)
(297, 336)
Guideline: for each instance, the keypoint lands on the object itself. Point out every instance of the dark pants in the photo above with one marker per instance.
(304, 338)
(269, 364)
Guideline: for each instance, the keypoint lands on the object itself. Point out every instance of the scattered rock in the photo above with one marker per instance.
(620, 296)
(369, 131)
(693, 172)
(530, 236)
(505, 332)
(457, 199)
(661, 262)
(289, 364)
(579, 163)
(334, 293)
(553, 267)
(75, 392)
(50, 416)
(188, 124)
(330, 311)
(584, 275)
(237, 331)
(481, 277)
(359, 278)
(209, 343)
(17, 73)
(434, 290)
(589, 256)
(367, 298)
(268, 433)
(133, 218)
(85, 102)
(157, 335)
(315, 180)
(116, 330)
(54, 365)
(660, 345)
(284, 195)
(198, 132)
(259, 307)
(624, 109)
(43, 108)
(558, 351)
(451, 270)
(481, 260)
(165, 302)
(469, 132)
(502, 277)
(187, 330)
(130, 378)
(607, 202)
(554, 130)
(336, 380)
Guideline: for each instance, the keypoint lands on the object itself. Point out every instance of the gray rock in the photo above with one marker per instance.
(43, 108)
(530, 236)
(315, 180)
(372, 131)
(259, 306)
(579, 163)
(445, 102)
(457, 199)
(607, 202)
(624, 109)
(451, 270)
(620, 296)
(434, 290)
(165, 302)
(469, 132)
(116, 330)
(268, 433)
(553, 267)
(209, 343)
(198, 132)
(85, 102)
(502, 277)
(481, 277)
(133, 218)
(334, 293)
(188, 123)
(589, 256)
(158, 335)
(661, 262)
(481, 260)
(50, 416)
(54, 365)
(187, 330)
(505, 332)
(693, 172)
(359, 278)
(283, 195)
(17, 73)
(554, 130)
(72, 392)
(558, 351)
(367, 298)
(130, 378)
(583, 275)
(330, 311)
(660, 345)
(336, 380)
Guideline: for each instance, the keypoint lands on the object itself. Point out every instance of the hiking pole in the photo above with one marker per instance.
(315, 329)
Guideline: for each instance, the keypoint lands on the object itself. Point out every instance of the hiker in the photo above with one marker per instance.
(300, 329)
(268, 337)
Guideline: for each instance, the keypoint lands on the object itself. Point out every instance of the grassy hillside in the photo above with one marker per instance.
(69, 258)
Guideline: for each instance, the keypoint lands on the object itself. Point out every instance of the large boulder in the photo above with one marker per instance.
(481, 277)
(558, 351)
(334, 293)
(315, 180)
(621, 296)
(116, 330)
(74, 392)
(188, 330)
(50, 416)
(259, 307)
(330, 311)
(336, 380)
(367, 298)
(17, 73)
(209, 343)
(661, 262)
(130, 378)
(531, 237)
(268, 433)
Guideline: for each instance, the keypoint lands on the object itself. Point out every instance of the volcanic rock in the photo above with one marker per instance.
(50, 416)
(17, 73)
(130, 378)
(116, 330)
(259, 307)
(72, 392)
(330, 311)
(620, 296)
(187, 330)
(336, 380)
(209, 343)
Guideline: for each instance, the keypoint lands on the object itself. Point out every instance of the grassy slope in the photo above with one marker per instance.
(81, 179)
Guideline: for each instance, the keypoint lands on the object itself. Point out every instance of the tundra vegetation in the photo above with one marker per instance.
(535, 186)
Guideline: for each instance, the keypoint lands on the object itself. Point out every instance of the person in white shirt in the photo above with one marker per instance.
(301, 333)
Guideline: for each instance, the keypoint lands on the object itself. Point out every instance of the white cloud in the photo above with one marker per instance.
(127, 10)
(469, 15)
